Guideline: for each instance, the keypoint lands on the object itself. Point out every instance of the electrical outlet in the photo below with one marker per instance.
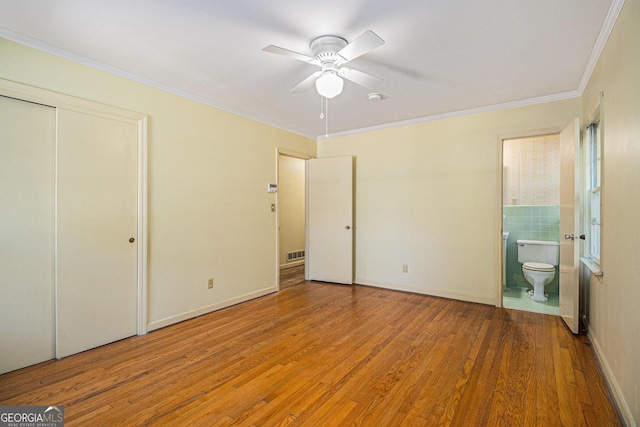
(405, 268)
(210, 283)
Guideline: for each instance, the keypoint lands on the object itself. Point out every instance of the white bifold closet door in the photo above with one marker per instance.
(26, 233)
(96, 293)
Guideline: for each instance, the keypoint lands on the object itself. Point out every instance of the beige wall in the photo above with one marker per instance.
(429, 195)
(291, 207)
(614, 319)
(209, 210)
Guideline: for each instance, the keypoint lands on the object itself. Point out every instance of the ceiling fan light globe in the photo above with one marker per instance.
(329, 85)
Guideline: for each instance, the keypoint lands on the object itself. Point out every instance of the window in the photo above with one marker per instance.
(595, 173)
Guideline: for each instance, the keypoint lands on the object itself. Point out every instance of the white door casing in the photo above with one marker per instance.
(329, 195)
(570, 224)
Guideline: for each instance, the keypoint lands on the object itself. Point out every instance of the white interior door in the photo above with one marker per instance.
(27, 135)
(96, 286)
(329, 252)
(570, 224)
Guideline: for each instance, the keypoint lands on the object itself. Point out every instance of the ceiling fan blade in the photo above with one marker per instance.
(291, 54)
(358, 77)
(364, 43)
(306, 83)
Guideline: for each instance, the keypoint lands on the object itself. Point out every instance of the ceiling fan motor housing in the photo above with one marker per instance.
(325, 48)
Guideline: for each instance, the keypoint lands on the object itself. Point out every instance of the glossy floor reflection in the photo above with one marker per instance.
(519, 299)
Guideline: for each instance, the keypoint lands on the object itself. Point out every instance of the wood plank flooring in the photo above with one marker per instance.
(291, 276)
(318, 354)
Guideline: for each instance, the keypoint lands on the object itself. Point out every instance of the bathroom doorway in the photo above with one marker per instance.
(530, 211)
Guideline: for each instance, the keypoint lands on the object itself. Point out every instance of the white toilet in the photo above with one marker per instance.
(538, 258)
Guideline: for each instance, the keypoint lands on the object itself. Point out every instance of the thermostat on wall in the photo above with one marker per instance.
(272, 188)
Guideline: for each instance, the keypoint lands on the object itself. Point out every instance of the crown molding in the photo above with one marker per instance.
(460, 113)
(83, 60)
(605, 32)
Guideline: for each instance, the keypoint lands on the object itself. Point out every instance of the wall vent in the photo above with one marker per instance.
(295, 256)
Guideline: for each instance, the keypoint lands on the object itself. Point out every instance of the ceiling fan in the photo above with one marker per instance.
(330, 53)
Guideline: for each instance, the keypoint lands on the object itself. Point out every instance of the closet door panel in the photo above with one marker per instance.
(27, 137)
(96, 231)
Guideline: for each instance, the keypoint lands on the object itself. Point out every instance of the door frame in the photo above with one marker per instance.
(295, 155)
(58, 100)
(499, 224)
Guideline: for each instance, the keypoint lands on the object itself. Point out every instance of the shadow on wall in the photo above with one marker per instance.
(529, 223)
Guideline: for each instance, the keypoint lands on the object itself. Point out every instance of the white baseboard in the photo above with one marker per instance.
(613, 384)
(208, 309)
(490, 300)
(291, 264)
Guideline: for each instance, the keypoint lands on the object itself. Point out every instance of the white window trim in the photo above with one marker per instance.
(594, 184)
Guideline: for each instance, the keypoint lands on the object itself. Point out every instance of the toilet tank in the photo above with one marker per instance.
(538, 251)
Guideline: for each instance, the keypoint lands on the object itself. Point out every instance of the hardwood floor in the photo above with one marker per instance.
(291, 276)
(328, 355)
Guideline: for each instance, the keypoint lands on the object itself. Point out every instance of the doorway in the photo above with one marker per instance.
(530, 211)
(321, 221)
(291, 221)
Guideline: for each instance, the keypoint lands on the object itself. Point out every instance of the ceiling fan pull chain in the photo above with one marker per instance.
(326, 109)
(321, 109)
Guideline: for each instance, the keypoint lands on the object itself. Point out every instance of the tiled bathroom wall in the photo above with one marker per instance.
(531, 171)
(529, 223)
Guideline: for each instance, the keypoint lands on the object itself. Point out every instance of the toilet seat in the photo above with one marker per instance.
(538, 266)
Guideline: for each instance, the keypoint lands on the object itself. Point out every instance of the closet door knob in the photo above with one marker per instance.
(131, 240)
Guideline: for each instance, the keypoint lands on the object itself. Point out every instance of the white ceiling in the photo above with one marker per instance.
(440, 58)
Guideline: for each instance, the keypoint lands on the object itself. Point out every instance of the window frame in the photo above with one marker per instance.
(594, 179)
